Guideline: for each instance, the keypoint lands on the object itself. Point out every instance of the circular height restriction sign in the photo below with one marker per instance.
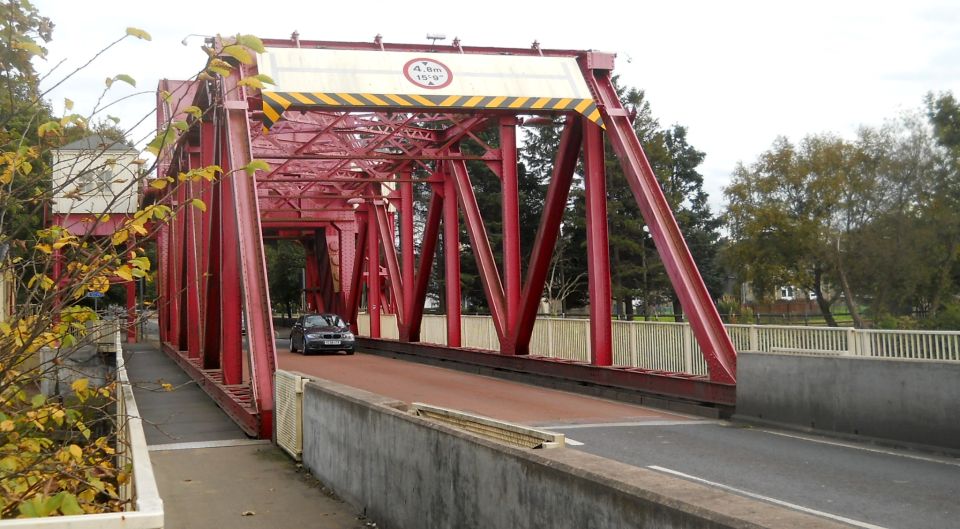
(427, 73)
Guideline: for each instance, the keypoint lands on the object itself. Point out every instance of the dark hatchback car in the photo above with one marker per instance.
(314, 333)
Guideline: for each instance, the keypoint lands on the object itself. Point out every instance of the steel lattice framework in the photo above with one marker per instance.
(342, 169)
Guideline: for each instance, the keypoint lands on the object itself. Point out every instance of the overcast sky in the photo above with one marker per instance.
(736, 74)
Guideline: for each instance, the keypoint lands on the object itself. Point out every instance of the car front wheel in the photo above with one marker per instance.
(293, 349)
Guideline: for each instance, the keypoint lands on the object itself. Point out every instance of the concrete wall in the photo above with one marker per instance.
(408, 473)
(910, 401)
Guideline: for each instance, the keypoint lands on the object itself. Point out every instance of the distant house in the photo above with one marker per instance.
(95, 175)
(783, 299)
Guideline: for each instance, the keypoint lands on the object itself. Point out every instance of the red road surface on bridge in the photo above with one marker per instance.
(478, 394)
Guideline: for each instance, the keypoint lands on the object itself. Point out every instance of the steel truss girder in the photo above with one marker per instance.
(343, 184)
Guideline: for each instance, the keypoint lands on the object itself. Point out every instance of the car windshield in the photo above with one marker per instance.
(323, 320)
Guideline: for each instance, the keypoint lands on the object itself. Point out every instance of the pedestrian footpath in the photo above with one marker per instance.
(210, 474)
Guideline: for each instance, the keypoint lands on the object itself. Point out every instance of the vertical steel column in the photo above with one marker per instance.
(511, 230)
(192, 264)
(598, 259)
(231, 350)
(451, 253)
(314, 301)
(131, 311)
(213, 307)
(373, 271)
(406, 253)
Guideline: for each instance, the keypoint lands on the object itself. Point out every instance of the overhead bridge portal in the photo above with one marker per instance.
(345, 133)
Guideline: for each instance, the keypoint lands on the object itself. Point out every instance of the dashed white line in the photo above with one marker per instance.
(754, 495)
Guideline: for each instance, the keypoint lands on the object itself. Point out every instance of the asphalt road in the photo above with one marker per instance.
(864, 485)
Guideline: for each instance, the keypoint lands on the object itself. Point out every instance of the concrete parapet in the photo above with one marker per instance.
(916, 402)
(408, 472)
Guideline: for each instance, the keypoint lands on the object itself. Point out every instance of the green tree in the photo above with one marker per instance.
(780, 215)
(285, 262)
(943, 112)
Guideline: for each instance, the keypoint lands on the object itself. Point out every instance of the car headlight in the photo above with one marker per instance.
(348, 336)
(312, 336)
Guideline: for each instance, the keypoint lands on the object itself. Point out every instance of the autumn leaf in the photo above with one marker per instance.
(80, 385)
(139, 33)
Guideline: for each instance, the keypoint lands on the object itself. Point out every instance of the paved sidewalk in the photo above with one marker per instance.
(251, 486)
(209, 473)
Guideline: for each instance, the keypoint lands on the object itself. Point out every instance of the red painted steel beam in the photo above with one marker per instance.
(697, 304)
(231, 305)
(598, 257)
(451, 255)
(192, 263)
(234, 400)
(406, 255)
(690, 389)
(353, 300)
(541, 256)
(253, 264)
(486, 264)
(390, 257)
(428, 248)
(373, 272)
(213, 307)
(511, 230)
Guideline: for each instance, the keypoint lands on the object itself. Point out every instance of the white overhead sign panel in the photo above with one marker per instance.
(299, 70)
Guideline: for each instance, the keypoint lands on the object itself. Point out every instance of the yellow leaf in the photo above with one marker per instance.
(239, 53)
(6, 426)
(139, 33)
(199, 204)
(124, 272)
(159, 183)
(167, 386)
(80, 385)
(45, 248)
(99, 284)
(76, 452)
(120, 237)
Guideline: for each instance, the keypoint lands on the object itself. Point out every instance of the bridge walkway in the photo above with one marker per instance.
(210, 474)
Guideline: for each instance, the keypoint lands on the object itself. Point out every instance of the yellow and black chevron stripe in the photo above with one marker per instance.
(274, 103)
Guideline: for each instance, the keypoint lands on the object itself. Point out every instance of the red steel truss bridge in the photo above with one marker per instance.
(345, 132)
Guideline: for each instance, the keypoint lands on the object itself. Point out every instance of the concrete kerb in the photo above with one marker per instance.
(446, 475)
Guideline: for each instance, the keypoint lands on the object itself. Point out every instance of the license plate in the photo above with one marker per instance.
(331, 342)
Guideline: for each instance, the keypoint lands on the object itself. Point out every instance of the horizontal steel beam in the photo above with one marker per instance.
(689, 389)
(244, 415)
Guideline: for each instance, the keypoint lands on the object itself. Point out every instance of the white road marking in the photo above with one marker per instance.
(206, 444)
(929, 459)
(754, 495)
(571, 442)
(626, 424)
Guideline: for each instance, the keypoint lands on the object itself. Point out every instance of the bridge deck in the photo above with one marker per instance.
(864, 485)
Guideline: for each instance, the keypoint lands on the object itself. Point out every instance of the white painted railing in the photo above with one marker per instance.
(144, 505)
(672, 346)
